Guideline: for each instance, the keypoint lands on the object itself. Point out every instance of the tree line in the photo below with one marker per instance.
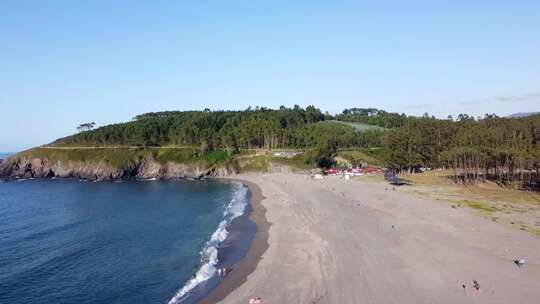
(372, 116)
(260, 127)
(505, 150)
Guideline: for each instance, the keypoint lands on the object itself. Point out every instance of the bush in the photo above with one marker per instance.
(322, 156)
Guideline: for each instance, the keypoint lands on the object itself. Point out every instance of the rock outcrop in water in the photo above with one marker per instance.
(145, 168)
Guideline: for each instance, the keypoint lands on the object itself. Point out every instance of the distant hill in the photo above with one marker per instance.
(228, 130)
(522, 114)
(374, 117)
(206, 141)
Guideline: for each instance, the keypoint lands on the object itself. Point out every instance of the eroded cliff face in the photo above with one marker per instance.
(27, 167)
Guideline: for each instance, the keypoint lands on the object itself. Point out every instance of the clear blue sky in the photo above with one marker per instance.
(67, 62)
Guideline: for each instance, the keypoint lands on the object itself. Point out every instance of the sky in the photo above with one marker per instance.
(63, 63)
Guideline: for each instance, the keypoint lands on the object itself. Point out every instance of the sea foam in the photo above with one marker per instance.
(209, 254)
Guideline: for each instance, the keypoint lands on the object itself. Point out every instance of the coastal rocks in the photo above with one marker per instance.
(222, 171)
(83, 170)
(43, 168)
(150, 168)
(28, 167)
(174, 170)
(153, 169)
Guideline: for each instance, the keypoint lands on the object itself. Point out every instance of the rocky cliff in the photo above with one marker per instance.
(41, 167)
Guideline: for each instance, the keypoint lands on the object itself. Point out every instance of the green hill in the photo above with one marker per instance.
(490, 148)
(228, 130)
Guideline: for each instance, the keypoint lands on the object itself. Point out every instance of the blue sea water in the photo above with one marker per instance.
(65, 241)
(4, 155)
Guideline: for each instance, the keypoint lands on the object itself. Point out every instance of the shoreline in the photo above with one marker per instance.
(371, 248)
(246, 262)
(259, 244)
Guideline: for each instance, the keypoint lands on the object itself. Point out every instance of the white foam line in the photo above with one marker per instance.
(24, 179)
(209, 254)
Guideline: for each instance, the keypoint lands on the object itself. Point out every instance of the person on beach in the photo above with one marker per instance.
(223, 271)
(519, 262)
(255, 301)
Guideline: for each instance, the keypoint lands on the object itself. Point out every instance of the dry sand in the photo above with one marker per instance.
(347, 241)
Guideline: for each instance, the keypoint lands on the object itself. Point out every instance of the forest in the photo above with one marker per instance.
(372, 116)
(229, 130)
(505, 150)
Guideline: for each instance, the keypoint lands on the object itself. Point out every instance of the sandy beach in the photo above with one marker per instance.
(350, 241)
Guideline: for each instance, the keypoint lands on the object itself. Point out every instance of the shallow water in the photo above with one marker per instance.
(125, 242)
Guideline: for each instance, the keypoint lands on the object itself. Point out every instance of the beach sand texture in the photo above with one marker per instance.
(339, 241)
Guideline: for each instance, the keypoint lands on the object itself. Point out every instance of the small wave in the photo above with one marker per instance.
(209, 254)
(24, 179)
(149, 179)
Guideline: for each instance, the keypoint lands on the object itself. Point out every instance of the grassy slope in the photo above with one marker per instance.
(122, 157)
(356, 125)
(261, 161)
(373, 157)
(508, 206)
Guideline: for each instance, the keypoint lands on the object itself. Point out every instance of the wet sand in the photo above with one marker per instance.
(349, 241)
(258, 246)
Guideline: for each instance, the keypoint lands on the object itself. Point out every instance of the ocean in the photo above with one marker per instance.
(65, 241)
(4, 155)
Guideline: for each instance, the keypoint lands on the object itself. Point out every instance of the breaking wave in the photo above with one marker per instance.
(24, 179)
(209, 254)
